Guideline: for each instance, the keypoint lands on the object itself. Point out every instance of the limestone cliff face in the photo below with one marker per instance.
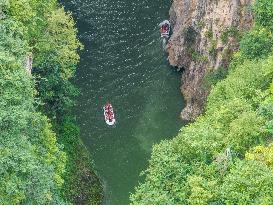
(205, 34)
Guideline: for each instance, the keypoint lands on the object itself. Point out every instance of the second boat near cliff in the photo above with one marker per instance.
(165, 29)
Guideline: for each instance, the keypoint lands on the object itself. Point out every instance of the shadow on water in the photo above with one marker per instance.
(124, 62)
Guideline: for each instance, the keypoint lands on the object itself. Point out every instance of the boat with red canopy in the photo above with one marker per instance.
(109, 115)
(165, 28)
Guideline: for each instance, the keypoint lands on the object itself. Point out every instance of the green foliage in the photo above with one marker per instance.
(227, 54)
(209, 34)
(244, 182)
(33, 166)
(30, 159)
(229, 32)
(246, 81)
(201, 24)
(257, 43)
(55, 63)
(264, 13)
(196, 56)
(249, 182)
(200, 190)
(261, 153)
(55, 53)
(21, 10)
(266, 109)
(212, 48)
(81, 183)
(12, 35)
(251, 134)
(61, 45)
(168, 186)
(214, 76)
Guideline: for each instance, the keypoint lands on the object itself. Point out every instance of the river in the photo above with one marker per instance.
(124, 62)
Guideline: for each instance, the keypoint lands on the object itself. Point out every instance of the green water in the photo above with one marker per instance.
(124, 62)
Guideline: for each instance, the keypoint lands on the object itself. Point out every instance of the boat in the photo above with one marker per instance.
(165, 28)
(109, 115)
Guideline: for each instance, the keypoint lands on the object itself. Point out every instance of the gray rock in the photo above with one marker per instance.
(205, 34)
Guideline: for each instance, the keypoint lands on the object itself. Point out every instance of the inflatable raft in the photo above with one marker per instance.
(109, 115)
(165, 28)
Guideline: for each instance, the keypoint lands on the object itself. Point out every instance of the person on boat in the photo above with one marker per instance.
(165, 28)
(161, 29)
(108, 106)
(110, 117)
(108, 112)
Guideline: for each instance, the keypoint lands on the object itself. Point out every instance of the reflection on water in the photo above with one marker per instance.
(124, 62)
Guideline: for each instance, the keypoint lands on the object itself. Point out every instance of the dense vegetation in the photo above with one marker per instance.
(42, 160)
(226, 155)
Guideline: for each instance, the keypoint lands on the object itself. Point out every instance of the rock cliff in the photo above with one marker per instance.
(205, 34)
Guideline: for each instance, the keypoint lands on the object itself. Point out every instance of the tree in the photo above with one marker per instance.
(249, 182)
(262, 154)
(30, 159)
(257, 43)
(264, 13)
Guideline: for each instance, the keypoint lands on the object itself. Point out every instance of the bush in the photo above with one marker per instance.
(264, 13)
(257, 43)
(81, 184)
(31, 161)
(249, 182)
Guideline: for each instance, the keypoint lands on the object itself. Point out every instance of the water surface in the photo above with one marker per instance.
(124, 62)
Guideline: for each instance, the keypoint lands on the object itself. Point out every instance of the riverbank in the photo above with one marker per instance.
(225, 155)
(81, 184)
(43, 158)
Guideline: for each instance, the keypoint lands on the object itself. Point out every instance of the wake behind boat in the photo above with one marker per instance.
(109, 115)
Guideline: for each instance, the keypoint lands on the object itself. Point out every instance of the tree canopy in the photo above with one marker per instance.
(33, 106)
